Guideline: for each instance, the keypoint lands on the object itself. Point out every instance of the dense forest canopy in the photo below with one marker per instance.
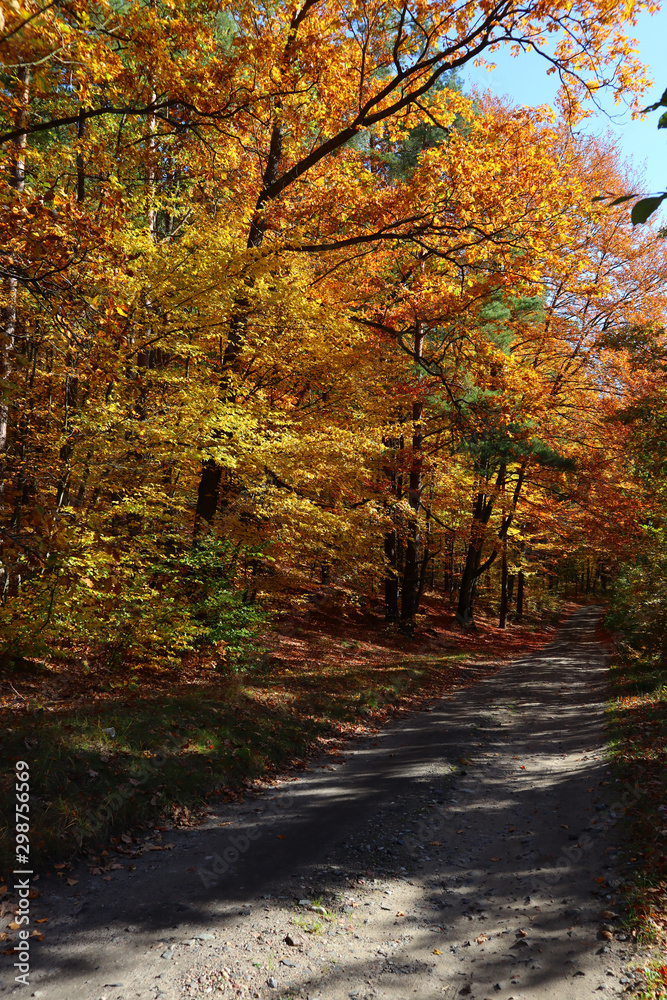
(283, 306)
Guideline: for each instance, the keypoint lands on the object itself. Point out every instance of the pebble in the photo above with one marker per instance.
(272, 982)
(167, 954)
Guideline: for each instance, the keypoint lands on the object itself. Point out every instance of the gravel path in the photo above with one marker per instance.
(467, 851)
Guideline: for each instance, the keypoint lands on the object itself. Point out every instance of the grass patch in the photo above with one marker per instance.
(638, 745)
(166, 757)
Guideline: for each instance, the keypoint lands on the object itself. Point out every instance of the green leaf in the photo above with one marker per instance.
(646, 207)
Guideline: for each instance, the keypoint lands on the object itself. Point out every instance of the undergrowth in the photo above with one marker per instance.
(638, 744)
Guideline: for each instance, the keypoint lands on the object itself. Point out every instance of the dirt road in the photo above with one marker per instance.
(467, 851)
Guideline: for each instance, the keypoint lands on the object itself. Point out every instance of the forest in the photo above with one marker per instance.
(284, 307)
(292, 317)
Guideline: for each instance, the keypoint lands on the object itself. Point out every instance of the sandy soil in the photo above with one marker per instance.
(467, 851)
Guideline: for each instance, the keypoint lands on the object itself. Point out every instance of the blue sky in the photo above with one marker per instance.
(524, 80)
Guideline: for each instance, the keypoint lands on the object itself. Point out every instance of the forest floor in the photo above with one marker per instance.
(469, 849)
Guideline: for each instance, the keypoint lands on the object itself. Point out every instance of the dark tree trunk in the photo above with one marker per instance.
(519, 595)
(208, 493)
(80, 166)
(412, 582)
(464, 611)
(391, 579)
(510, 587)
(8, 314)
(503, 587)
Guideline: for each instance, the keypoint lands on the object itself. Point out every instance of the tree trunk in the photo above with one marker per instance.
(464, 611)
(8, 323)
(391, 578)
(80, 165)
(519, 595)
(510, 587)
(452, 553)
(503, 587)
(208, 493)
(8, 319)
(412, 584)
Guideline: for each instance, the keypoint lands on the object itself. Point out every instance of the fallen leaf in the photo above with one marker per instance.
(60, 865)
(495, 859)
(73, 881)
(400, 913)
(38, 935)
(434, 843)
(436, 951)
(42, 920)
(281, 836)
(481, 939)
(14, 925)
(3, 890)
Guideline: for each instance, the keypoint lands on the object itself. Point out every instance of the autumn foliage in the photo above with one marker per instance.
(284, 307)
